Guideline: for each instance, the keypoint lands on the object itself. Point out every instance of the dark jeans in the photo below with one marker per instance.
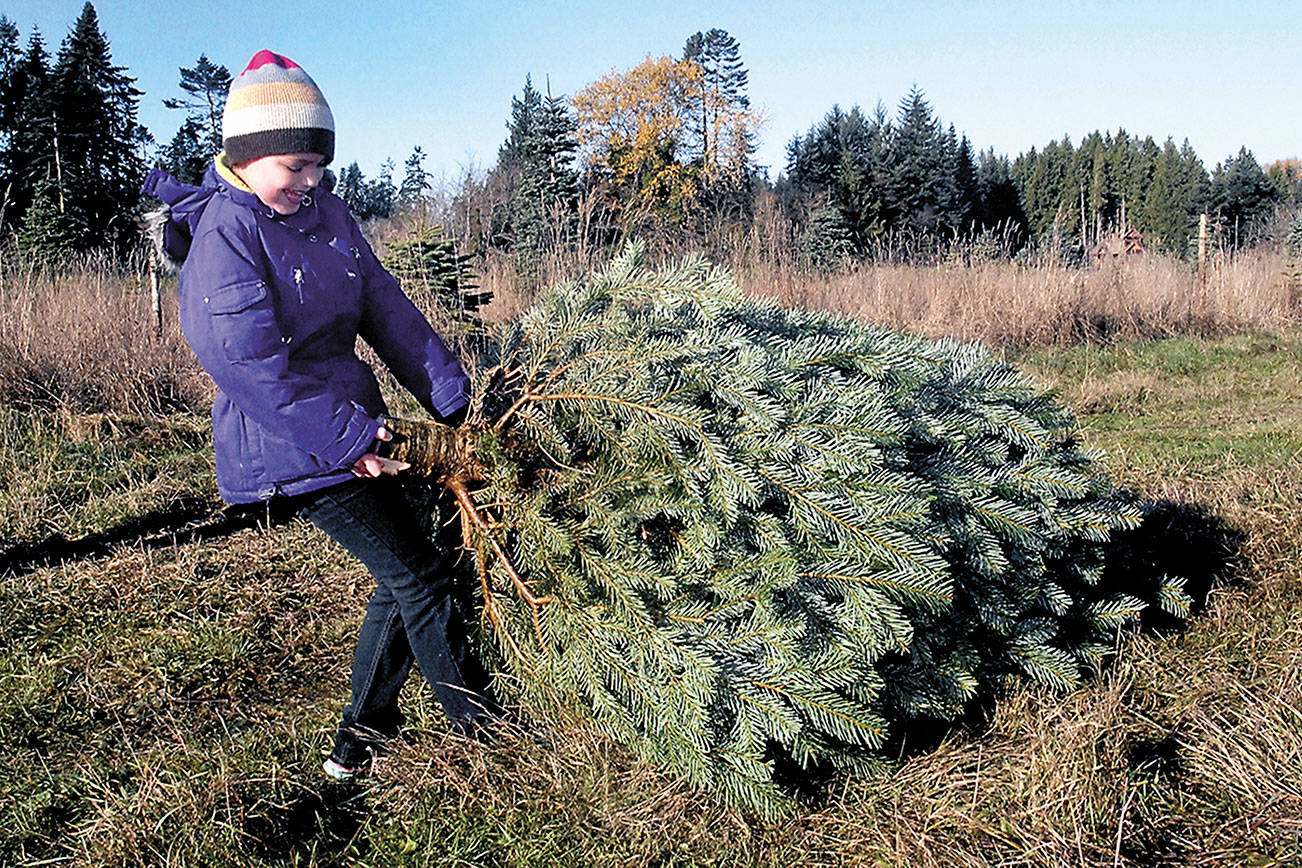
(413, 613)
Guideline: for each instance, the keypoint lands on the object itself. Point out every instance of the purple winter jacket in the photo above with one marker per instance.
(272, 306)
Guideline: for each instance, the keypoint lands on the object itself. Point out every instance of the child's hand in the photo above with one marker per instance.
(371, 465)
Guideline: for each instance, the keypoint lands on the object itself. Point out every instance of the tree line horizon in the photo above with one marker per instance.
(662, 151)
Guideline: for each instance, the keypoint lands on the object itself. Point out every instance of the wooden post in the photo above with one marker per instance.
(1084, 240)
(154, 296)
(1202, 246)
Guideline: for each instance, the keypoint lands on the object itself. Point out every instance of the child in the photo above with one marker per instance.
(276, 285)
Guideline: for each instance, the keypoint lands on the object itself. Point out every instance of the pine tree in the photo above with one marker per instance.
(431, 270)
(366, 199)
(967, 198)
(722, 130)
(503, 181)
(415, 180)
(1242, 198)
(200, 135)
(11, 57)
(382, 194)
(1286, 175)
(1293, 265)
(1101, 197)
(544, 204)
(921, 183)
(31, 155)
(733, 533)
(351, 188)
(827, 243)
(536, 175)
(1293, 239)
(188, 154)
(1000, 206)
(843, 162)
(520, 129)
(94, 119)
(1051, 183)
(1174, 198)
(47, 233)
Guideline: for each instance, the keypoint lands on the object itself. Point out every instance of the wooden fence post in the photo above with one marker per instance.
(1202, 247)
(154, 296)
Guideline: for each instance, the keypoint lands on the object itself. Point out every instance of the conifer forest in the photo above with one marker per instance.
(905, 503)
(662, 151)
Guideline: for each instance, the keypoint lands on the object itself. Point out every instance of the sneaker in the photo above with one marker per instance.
(353, 756)
(344, 773)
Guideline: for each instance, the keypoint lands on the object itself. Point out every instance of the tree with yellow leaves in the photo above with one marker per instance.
(661, 139)
(631, 129)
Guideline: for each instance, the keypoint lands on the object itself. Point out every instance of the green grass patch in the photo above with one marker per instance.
(170, 704)
(72, 475)
(1182, 406)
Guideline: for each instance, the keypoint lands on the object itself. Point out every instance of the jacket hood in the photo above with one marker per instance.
(171, 227)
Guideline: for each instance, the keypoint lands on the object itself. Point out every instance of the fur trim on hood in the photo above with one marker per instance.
(170, 228)
(153, 224)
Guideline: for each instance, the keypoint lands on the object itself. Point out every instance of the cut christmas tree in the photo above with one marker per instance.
(734, 534)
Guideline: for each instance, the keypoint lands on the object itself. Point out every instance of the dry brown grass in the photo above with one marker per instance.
(81, 336)
(996, 301)
(1003, 303)
(172, 704)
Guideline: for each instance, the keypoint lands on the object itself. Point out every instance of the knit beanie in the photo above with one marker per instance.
(274, 107)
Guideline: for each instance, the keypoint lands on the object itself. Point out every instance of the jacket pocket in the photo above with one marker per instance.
(243, 320)
(236, 297)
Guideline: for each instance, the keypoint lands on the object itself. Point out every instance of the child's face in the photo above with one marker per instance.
(282, 180)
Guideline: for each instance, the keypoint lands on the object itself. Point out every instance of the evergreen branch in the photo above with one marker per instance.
(938, 596)
(649, 410)
(876, 731)
(854, 530)
(702, 619)
(1041, 442)
(545, 354)
(990, 513)
(632, 360)
(848, 355)
(775, 558)
(839, 429)
(1052, 481)
(615, 588)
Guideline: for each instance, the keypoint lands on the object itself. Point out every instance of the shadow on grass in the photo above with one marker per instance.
(192, 519)
(188, 520)
(321, 828)
(1172, 539)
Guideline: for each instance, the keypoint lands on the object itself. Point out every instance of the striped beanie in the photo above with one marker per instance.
(274, 107)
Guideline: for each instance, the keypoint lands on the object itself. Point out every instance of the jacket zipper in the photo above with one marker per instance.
(298, 283)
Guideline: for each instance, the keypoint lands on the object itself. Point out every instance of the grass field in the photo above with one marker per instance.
(166, 699)
(169, 683)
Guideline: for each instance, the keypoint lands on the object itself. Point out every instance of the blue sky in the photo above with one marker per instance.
(1011, 75)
